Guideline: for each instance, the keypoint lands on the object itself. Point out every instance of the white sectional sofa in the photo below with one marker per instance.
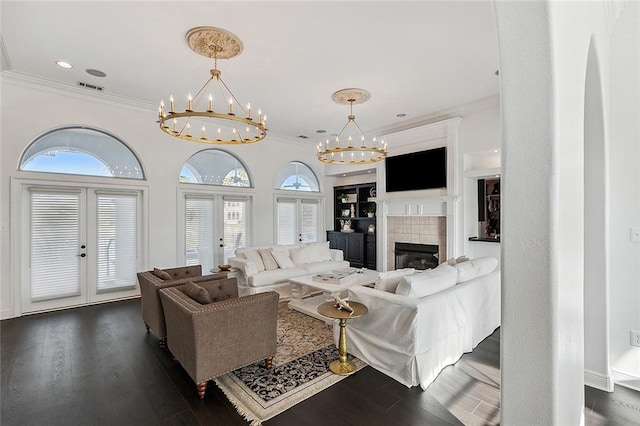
(269, 268)
(420, 322)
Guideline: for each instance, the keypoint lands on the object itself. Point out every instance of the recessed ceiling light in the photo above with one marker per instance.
(402, 114)
(321, 131)
(63, 64)
(95, 73)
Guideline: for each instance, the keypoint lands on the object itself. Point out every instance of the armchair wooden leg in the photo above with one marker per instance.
(146, 325)
(268, 362)
(201, 388)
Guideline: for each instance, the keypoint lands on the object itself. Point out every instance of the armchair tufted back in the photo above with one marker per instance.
(184, 271)
(219, 290)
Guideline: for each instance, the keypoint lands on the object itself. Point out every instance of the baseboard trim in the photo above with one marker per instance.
(626, 380)
(598, 381)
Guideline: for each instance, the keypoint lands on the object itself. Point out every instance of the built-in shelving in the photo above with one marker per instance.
(354, 227)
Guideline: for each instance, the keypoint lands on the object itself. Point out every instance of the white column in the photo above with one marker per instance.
(543, 48)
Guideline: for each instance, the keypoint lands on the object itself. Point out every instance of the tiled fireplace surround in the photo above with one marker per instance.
(417, 230)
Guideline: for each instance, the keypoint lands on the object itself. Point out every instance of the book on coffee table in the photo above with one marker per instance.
(335, 277)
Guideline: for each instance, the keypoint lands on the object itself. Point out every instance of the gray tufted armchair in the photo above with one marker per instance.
(212, 339)
(150, 285)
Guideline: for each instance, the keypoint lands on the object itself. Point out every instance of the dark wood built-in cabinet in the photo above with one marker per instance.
(354, 224)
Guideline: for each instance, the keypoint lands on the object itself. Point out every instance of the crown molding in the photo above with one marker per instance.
(439, 116)
(30, 81)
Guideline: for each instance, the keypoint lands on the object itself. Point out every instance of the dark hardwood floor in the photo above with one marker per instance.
(96, 365)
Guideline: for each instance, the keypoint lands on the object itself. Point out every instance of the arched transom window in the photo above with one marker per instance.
(297, 176)
(81, 151)
(215, 167)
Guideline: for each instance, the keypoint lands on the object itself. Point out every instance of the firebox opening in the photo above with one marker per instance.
(418, 256)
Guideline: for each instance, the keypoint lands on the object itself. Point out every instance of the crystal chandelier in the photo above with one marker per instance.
(353, 152)
(215, 122)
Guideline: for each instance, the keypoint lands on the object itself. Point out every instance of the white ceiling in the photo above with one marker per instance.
(416, 58)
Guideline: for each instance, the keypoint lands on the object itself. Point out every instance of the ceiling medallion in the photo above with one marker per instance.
(334, 153)
(213, 119)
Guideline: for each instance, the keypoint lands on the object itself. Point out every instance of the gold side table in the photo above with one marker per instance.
(328, 309)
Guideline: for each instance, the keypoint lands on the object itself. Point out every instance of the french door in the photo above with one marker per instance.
(81, 245)
(298, 220)
(214, 227)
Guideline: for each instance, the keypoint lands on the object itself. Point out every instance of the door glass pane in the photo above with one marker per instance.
(235, 226)
(55, 243)
(309, 222)
(199, 232)
(117, 242)
(286, 231)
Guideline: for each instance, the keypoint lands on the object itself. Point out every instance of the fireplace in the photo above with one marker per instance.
(418, 256)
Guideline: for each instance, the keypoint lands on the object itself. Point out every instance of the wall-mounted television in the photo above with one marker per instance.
(417, 170)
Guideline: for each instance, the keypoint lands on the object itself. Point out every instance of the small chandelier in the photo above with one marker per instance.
(334, 153)
(211, 124)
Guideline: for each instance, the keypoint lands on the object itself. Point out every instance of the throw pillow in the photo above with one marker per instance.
(268, 260)
(162, 274)
(254, 256)
(428, 282)
(282, 259)
(388, 281)
(475, 268)
(455, 260)
(301, 255)
(197, 293)
(319, 252)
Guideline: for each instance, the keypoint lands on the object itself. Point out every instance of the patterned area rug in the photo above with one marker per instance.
(300, 369)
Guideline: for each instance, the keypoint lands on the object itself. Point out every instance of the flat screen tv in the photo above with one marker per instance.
(417, 170)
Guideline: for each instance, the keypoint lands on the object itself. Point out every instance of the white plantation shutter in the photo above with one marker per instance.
(117, 241)
(55, 243)
(234, 224)
(309, 221)
(287, 227)
(199, 232)
(297, 220)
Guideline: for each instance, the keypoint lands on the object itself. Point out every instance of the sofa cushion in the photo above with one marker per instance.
(317, 267)
(319, 251)
(274, 276)
(287, 248)
(425, 283)
(197, 293)
(282, 258)
(388, 281)
(162, 274)
(300, 255)
(267, 259)
(475, 268)
(254, 256)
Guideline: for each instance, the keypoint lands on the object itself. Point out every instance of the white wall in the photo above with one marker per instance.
(31, 108)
